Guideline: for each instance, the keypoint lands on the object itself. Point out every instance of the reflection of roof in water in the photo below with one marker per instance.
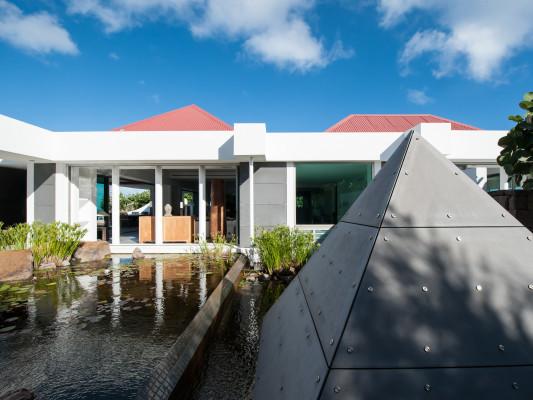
(421, 287)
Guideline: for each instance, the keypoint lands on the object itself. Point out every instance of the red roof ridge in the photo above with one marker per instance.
(391, 122)
(195, 107)
(209, 115)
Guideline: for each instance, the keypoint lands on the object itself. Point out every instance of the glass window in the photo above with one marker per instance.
(325, 191)
(137, 189)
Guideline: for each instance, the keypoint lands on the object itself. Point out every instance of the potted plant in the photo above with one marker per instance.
(516, 158)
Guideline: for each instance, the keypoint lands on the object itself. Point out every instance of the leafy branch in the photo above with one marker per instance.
(517, 155)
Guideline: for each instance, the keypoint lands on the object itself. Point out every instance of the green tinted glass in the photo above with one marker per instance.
(325, 191)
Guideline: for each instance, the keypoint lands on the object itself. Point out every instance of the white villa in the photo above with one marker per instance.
(217, 178)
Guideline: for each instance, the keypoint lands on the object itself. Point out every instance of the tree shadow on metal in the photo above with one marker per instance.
(426, 293)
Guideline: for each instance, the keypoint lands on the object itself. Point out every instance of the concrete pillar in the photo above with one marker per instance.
(158, 205)
(252, 205)
(74, 194)
(291, 194)
(115, 205)
(62, 198)
(376, 167)
(202, 209)
(504, 184)
(30, 192)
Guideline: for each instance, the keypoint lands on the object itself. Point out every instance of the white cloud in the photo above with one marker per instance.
(114, 56)
(36, 33)
(272, 31)
(418, 97)
(474, 37)
(117, 15)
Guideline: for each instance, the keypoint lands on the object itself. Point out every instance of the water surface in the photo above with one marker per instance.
(97, 331)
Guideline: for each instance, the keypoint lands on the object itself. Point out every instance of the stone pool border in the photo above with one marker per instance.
(181, 366)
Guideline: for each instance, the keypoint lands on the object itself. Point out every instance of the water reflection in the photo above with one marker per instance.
(95, 331)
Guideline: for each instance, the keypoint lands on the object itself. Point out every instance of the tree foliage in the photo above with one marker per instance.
(134, 201)
(517, 154)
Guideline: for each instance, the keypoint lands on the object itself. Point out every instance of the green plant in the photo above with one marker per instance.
(53, 242)
(517, 154)
(219, 251)
(15, 237)
(283, 248)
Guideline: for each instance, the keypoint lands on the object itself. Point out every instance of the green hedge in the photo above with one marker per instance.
(55, 242)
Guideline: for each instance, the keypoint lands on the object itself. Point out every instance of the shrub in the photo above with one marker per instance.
(517, 154)
(53, 242)
(283, 248)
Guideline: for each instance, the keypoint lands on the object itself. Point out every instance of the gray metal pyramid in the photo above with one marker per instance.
(423, 289)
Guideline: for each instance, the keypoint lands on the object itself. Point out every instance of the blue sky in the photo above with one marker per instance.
(295, 64)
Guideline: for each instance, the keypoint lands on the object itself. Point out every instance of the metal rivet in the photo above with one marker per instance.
(386, 239)
(530, 286)
(479, 288)
(308, 335)
(501, 347)
(340, 271)
(456, 173)
(337, 389)
(503, 215)
(331, 263)
(425, 288)
(427, 387)
(331, 341)
(448, 215)
(359, 213)
(393, 216)
(354, 284)
(323, 256)
(281, 388)
(319, 312)
(311, 292)
(417, 138)
(530, 238)
(458, 238)
(371, 237)
(370, 289)
(317, 379)
(378, 215)
(515, 385)
(349, 349)
(427, 349)
(406, 172)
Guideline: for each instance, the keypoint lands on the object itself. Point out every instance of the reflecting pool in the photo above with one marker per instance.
(96, 331)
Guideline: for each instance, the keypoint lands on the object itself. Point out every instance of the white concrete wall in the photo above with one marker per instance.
(24, 140)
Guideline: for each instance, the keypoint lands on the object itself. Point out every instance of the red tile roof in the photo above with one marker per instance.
(390, 123)
(189, 118)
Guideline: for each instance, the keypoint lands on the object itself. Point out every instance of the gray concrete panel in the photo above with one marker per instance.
(443, 297)
(331, 278)
(435, 384)
(432, 191)
(44, 192)
(291, 364)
